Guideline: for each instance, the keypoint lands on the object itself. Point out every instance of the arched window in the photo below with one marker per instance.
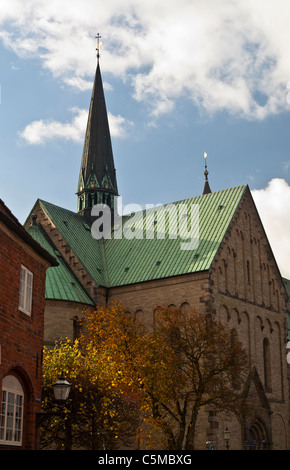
(76, 328)
(106, 199)
(11, 412)
(139, 316)
(267, 364)
(185, 307)
(234, 337)
(234, 341)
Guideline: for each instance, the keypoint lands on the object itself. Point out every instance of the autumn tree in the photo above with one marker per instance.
(144, 365)
(126, 378)
(98, 413)
(189, 362)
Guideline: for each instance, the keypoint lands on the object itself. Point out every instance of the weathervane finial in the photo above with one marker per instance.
(205, 166)
(206, 188)
(98, 37)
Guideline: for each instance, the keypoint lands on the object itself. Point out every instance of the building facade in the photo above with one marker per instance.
(23, 265)
(228, 272)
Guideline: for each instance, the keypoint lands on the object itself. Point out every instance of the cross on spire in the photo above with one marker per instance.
(98, 37)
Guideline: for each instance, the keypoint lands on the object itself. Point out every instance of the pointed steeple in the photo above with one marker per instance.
(97, 180)
(206, 189)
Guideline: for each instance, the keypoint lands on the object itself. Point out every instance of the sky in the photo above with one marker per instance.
(181, 78)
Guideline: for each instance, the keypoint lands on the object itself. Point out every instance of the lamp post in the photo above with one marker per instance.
(227, 436)
(61, 389)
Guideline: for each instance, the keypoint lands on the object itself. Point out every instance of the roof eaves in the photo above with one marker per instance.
(61, 283)
(73, 228)
(27, 238)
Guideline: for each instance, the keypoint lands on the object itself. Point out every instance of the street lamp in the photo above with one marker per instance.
(227, 436)
(61, 389)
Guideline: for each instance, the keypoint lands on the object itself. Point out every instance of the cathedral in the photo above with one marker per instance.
(229, 272)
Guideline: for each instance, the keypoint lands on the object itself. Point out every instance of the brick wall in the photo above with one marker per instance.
(249, 296)
(59, 318)
(21, 335)
(141, 299)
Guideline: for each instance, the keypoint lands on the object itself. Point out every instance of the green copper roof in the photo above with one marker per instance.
(60, 284)
(139, 260)
(75, 230)
(117, 262)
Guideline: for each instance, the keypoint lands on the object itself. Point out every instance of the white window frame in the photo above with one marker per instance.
(11, 412)
(25, 290)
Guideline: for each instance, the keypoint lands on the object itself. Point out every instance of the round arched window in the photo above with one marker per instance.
(11, 412)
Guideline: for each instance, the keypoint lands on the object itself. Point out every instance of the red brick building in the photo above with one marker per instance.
(23, 265)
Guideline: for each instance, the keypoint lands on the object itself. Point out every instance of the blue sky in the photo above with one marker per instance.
(180, 78)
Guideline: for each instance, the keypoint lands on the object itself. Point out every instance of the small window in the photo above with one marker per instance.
(77, 327)
(11, 412)
(267, 364)
(25, 291)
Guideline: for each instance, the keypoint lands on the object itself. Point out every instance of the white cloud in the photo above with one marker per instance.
(273, 204)
(41, 131)
(79, 83)
(119, 126)
(225, 55)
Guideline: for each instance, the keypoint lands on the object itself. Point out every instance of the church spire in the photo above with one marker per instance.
(206, 188)
(97, 180)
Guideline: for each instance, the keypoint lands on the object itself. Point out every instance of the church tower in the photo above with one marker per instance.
(97, 180)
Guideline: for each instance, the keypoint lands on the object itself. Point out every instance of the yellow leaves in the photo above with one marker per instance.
(115, 361)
